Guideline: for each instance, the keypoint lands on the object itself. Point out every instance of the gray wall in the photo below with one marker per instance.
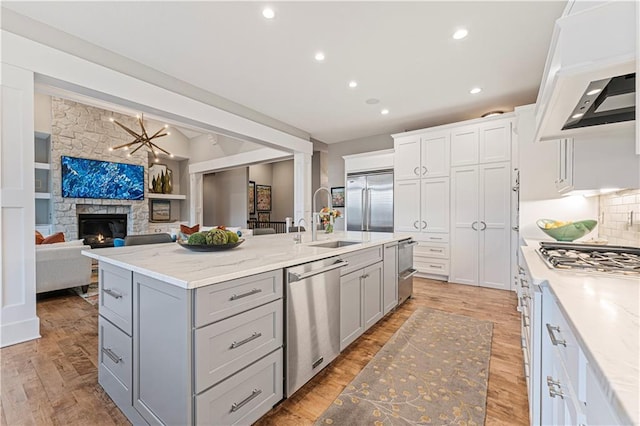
(225, 198)
(282, 190)
(354, 146)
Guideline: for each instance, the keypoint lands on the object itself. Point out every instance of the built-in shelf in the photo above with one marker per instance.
(154, 196)
(43, 166)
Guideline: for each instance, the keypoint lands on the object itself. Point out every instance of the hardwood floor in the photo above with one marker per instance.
(53, 380)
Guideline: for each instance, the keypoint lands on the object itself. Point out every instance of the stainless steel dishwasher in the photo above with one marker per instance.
(313, 319)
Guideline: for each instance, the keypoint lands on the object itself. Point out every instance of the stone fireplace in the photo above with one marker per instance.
(99, 230)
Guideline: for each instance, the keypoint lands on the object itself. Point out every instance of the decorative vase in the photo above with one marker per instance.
(328, 228)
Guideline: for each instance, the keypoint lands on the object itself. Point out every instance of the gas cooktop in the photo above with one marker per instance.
(597, 258)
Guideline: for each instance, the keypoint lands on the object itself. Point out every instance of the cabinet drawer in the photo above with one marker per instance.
(115, 361)
(116, 302)
(433, 237)
(424, 249)
(361, 258)
(227, 346)
(564, 342)
(244, 397)
(431, 266)
(219, 301)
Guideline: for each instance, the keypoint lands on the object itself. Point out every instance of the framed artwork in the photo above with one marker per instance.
(263, 198)
(252, 197)
(160, 179)
(264, 217)
(160, 211)
(337, 196)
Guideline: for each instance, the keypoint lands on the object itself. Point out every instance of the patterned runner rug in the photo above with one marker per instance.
(433, 370)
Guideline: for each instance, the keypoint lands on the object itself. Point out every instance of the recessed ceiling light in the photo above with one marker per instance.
(268, 13)
(319, 56)
(460, 34)
(372, 101)
(475, 90)
(578, 115)
(353, 84)
(384, 111)
(594, 92)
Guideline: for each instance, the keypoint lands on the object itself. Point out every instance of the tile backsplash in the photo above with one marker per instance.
(616, 224)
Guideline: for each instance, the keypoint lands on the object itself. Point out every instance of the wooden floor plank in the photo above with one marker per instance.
(53, 380)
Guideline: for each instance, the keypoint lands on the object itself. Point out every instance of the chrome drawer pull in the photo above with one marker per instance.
(435, 266)
(436, 250)
(254, 336)
(238, 405)
(249, 293)
(554, 340)
(112, 293)
(435, 238)
(115, 358)
(555, 389)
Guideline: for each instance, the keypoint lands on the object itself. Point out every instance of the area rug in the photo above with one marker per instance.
(433, 370)
(91, 295)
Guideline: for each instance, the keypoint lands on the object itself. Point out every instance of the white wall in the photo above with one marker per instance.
(354, 146)
(225, 198)
(210, 146)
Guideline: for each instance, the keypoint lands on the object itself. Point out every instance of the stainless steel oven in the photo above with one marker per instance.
(405, 269)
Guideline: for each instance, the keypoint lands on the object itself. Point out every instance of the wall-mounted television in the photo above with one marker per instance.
(84, 178)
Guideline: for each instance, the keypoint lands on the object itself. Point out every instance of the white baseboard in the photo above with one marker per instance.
(18, 332)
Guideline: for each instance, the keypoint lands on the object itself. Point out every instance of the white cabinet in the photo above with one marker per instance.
(422, 205)
(360, 302)
(407, 157)
(481, 225)
(481, 143)
(390, 285)
(422, 156)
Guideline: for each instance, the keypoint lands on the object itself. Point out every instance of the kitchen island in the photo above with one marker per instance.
(589, 328)
(197, 337)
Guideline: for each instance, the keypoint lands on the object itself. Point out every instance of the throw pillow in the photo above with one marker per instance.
(189, 230)
(58, 237)
(39, 238)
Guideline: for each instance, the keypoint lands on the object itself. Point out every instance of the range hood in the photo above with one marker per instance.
(589, 80)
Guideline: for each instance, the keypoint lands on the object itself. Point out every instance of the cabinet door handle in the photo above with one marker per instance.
(254, 336)
(424, 225)
(515, 228)
(484, 225)
(114, 357)
(554, 340)
(555, 388)
(524, 283)
(238, 405)
(415, 224)
(249, 293)
(473, 226)
(425, 170)
(112, 293)
(416, 171)
(365, 276)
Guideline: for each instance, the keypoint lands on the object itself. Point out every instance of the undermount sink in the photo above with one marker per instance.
(336, 244)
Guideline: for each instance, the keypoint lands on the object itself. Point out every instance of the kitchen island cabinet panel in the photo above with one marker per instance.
(390, 271)
(351, 321)
(162, 384)
(361, 259)
(217, 302)
(372, 294)
(223, 348)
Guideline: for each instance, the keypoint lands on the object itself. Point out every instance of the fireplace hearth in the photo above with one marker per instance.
(99, 230)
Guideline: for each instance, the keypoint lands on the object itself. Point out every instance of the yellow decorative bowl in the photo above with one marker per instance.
(566, 231)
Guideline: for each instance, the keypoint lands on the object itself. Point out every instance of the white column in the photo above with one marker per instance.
(195, 199)
(17, 212)
(302, 187)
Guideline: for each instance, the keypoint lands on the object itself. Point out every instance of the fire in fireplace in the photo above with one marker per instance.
(99, 230)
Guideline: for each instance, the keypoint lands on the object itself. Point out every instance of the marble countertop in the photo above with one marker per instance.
(603, 311)
(184, 268)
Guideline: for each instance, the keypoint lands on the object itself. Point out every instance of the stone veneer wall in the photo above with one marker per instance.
(614, 218)
(84, 131)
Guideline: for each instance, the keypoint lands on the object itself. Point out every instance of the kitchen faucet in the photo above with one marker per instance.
(298, 237)
(316, 215)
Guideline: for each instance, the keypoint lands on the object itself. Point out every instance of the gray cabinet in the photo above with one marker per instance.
(360, 302)
(169, 355)
(390, 284)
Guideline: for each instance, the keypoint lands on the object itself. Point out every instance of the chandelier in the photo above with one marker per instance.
(142, 139)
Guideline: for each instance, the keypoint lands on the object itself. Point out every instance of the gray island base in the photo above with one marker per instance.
(198, 338)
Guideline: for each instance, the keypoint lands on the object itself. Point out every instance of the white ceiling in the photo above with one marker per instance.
(401, 53)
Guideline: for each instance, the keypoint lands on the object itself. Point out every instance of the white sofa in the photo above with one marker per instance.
(61, 265)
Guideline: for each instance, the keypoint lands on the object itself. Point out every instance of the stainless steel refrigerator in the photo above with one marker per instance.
(369, 201)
